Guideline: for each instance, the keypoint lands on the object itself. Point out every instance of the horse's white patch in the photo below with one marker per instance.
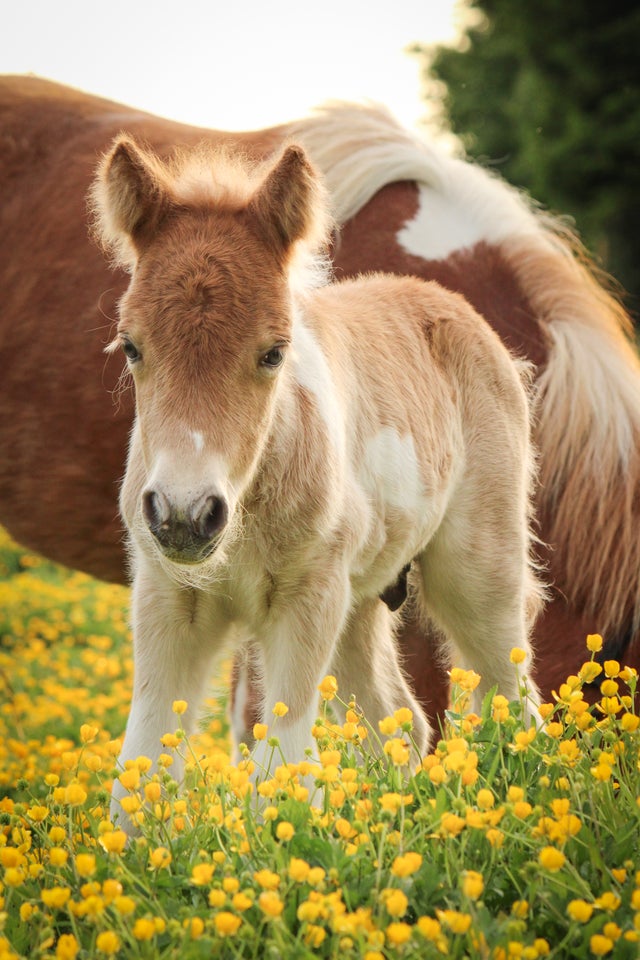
(311, 370)
(438, 228)
(198, 440)
(390, 471)
(471, 208)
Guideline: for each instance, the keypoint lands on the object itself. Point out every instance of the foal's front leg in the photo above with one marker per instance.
(297, 649)
(172, 651)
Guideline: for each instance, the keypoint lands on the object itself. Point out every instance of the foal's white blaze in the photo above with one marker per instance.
(390, 470)
(198, 440)
(311, 370)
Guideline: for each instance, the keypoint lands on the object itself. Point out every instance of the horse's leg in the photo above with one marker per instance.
(172, 649)
(367, 665)
(297, 645)
(245, 707)
(477, 586)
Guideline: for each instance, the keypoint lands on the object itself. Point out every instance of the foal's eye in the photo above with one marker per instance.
(272, 358)
(130, 351)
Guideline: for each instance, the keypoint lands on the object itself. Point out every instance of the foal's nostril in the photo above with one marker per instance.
(154, 509)
(212, 518)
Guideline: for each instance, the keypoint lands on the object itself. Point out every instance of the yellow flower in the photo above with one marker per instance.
(611, 668)
(387, 726)
(500, 708)
(429, 928)
(58, 857)
(195, 927)
(55, 897)
(144, 929)
(594, 642)
(88, 732)
(285, 831)
(170, 740)
(85, 864)
(406, 864)
(328, 688)
(298, 869)
(456, 922)
(472, 884)
(437, 774)
(114, 842)
(124, 905)
(159, 858)
(108, 942)
(260, 731)
(589, 671)
(608, 901)
(179, 707)
(226, 923)
(202, 873)
(600, 945)
(517, 655)
(520, 909)
(398, 933)
(465, 679)
(630, 722)
(270, 903)
(67, 947)
(280, 709)
(395, 902)
(485, 799)
(75, 795)
(580, 910)
(267, 879)
(37, 813)
(404, 718)
(152, 791)
(452, 824)
(398, 750)
(602, 772)
(217, 898)
(551, 859)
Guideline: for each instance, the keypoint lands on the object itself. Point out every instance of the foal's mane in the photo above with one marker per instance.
(588, 393)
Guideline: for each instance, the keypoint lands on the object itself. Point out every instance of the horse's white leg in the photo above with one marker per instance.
(367, 665)
(478, 587)
(297, 648)
(173, 649)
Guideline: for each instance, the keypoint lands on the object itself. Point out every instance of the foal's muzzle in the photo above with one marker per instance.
(185, 535)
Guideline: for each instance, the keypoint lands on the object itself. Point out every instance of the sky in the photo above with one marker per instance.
(234, 65)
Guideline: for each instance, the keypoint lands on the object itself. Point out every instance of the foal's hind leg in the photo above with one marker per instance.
(477, 586)
(367, 665)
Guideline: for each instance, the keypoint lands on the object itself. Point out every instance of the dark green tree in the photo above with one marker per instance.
(549, 94)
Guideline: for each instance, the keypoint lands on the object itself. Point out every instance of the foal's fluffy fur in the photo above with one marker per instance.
(345, 429)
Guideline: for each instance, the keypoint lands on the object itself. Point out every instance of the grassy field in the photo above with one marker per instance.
(501, 843)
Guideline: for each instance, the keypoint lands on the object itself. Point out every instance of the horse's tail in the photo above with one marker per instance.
(587, 393)
(588, 429)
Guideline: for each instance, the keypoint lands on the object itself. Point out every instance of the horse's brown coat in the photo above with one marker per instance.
(65, 441)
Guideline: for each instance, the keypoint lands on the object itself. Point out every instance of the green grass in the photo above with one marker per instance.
(501, 843)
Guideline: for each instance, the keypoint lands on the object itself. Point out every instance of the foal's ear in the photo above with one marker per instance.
(290, 203)
(129, 199)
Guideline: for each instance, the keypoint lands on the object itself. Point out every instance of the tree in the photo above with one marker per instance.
(550, 94)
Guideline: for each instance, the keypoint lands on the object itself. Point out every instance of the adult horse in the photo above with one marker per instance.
(296, 444)
(403, 207)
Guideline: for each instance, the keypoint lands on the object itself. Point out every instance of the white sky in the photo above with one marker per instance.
(231, 64)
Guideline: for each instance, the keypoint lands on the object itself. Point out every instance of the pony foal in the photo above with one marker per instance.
(296, 444)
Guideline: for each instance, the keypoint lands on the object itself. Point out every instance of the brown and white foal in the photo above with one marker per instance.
(296, 444)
